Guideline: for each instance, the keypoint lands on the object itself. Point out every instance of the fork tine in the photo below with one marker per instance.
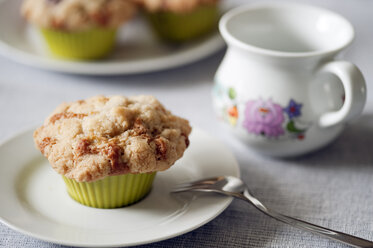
(199, 185)
(181, 189)
(206, 181)
(188, 189)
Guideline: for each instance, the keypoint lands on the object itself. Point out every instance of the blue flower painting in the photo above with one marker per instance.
(293, 109)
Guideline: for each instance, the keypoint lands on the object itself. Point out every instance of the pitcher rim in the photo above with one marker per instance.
(230, 39)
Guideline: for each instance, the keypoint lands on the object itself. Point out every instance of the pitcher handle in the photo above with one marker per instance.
(355, 92)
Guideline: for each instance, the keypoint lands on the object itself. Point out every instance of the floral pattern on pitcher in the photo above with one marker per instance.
(294, 126)
(232, 110)
(229, 109)
(264, 118)
(269, 119)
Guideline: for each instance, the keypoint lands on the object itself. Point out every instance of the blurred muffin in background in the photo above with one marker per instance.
(78, 29)
(181, 20)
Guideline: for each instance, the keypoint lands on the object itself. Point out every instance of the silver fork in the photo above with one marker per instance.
(232, 186)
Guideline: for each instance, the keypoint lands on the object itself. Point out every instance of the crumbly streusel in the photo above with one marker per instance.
(178, 6)
(76, 15)
(101, 136)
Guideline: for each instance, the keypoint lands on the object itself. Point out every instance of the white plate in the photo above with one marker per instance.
(137, 51)
(34, 200)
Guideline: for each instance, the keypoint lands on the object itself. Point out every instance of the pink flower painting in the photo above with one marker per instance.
(264, 118)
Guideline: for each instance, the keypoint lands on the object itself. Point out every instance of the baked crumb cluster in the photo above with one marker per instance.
(73, 15)
(177, 6)
(102, 136)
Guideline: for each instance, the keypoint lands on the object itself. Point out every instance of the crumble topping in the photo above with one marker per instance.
(102, 136)
(77, 15)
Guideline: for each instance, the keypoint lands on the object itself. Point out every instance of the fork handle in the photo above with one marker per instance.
(326, 232)
(323, 231)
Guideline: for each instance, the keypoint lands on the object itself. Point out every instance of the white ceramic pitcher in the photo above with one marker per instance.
(280, 87)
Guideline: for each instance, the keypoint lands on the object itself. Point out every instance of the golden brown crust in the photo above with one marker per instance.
(101, 136)
(76, 15)
(65, 115)
(177, 6)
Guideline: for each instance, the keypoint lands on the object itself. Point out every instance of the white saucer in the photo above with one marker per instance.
(138, 50)
(34, 200)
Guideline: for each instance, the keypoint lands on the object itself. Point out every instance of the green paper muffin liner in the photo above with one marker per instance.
(83, 45)
(180, 27)
(112, 191)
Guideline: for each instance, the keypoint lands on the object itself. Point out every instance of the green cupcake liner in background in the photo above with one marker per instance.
(112, 191)
(180, 27)
(82, 45)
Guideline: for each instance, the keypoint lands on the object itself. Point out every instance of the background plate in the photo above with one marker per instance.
(137, 51)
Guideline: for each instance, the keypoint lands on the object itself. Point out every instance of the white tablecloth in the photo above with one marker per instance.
(332, 187)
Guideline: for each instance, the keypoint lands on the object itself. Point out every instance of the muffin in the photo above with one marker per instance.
(181, 20)
(78, 29)
(108, 149)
